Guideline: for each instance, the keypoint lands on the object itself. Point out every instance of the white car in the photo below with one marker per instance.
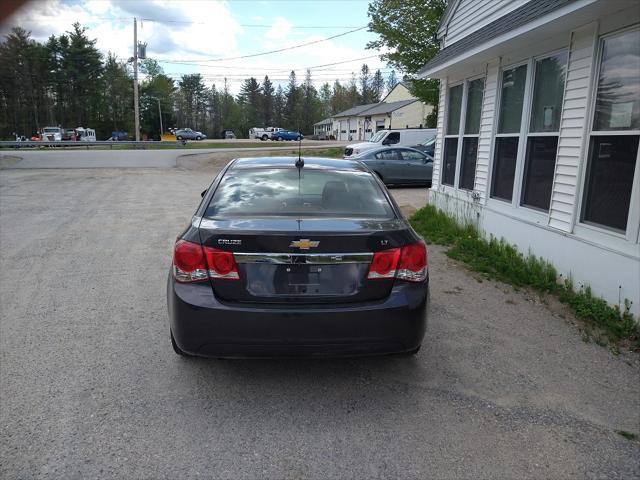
(52, 134)
(263, 133)
(403, 137)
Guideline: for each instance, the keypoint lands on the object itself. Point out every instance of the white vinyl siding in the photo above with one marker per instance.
(471, 15)
(435, 178)
(486, 128)
(571, 148)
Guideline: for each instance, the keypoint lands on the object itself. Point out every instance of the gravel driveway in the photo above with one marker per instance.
(504, 387)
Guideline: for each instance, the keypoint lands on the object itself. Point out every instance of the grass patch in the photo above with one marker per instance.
(627, 435)
(501, 261)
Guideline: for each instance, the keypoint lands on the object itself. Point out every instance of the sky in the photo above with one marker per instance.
(205, 36)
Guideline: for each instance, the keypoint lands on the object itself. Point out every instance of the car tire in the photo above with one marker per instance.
(176, 348)
(279, 139)
(179, 137)
(198, 138)
(429, 183)
(412, 352)
(299, 138)
(264, 138)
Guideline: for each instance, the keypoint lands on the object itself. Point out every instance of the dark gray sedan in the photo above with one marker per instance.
(399, 165)
(285, 258)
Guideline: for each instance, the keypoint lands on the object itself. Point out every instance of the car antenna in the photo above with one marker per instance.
(300, 160)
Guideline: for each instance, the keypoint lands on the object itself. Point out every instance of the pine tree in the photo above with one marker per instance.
(377, 86)
(310, 104)
(251, 100)
(365, 85)
(267, 102)
(292, 110)
(325, 100)
(279, 103)
(392, 81)
(353, 95)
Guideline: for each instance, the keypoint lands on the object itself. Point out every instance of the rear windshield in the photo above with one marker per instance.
(315, 193)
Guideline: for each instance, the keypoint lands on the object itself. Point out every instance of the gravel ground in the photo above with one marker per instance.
(504, 387)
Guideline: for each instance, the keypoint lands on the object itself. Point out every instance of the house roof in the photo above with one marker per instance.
(354, 111)
(512, 20)
(326, 121)
(384, 107)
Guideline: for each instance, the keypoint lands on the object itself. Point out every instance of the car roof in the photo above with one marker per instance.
(289, 162)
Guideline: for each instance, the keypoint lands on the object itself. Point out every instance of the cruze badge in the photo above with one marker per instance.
(228, 241)
(304, 244)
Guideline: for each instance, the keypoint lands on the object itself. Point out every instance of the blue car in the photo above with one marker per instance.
(286, 135)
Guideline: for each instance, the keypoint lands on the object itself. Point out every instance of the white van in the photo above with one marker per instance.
(404, 137)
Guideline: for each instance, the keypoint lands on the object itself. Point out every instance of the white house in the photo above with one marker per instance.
(539, 129)
(398, 109)
(323, 128)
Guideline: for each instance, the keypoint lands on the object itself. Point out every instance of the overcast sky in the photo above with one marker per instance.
(199, 32)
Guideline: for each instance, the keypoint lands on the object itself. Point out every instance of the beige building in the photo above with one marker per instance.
(398, 109)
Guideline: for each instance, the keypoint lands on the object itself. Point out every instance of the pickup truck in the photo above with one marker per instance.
(264, 133)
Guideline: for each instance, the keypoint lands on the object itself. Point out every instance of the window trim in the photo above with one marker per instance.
(535, 214)
(447, 135)
(632, 233)
(463, 126)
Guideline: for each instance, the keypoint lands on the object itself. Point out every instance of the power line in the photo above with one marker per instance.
(276, 51)
(250, 25)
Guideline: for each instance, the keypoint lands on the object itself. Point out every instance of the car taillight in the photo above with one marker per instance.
(193, 263)
(221, 264)
(384, 263)
(188, 262)
(413, 263)
(407, 263)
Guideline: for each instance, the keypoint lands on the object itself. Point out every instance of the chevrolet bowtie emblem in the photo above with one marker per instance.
(304, 244)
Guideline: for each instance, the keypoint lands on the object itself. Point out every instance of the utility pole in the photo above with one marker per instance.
(160, 113)
(136, 108)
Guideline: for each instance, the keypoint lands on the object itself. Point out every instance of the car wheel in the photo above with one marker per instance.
(179, 137)
(299, 138)
(176, 348)
(198, 138)
(429, 184)
(279, 139)
(264, 138)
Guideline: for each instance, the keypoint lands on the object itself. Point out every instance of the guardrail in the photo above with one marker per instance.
(45, 144)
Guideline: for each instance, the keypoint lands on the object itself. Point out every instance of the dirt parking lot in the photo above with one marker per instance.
(504, 386)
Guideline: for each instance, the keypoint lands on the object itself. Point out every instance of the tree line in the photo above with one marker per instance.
(67, 81)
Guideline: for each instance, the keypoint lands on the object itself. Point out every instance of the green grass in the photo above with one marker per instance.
(498, 260)
(627, 435)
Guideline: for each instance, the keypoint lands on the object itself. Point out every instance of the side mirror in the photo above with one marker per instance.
(204, 192)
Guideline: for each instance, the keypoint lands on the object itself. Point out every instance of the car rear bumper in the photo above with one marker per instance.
(204, 326)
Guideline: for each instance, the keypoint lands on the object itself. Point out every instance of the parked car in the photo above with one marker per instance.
(52, 134)
(399, 165)
(188, 134)
(85, 134)
(263, 133)
(69, 134)
(428, 147)
(278, 263)
(286, 135)
(399, 137)
(228, 134)
(118, 136)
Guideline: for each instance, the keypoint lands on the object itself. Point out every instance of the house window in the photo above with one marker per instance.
(451, 136)
(507, 138)
(542, 140)
(475, 91)
(615, 134)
